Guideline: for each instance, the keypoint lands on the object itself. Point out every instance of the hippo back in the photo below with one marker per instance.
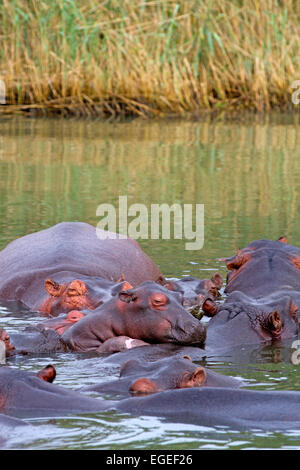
(71, 247)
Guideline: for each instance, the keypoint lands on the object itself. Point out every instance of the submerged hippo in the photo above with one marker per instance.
(12, 428)
(28, 394)
(74, 266)
(62, 322)
(195, 291)
(25, 394)
(216, 406)
(264, 267)
(5, 338)
(148, 312)
(137, 377)
(32, 340)
(244, 320)
(87, 293)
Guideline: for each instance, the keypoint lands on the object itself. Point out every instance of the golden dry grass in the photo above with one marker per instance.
(146, 58)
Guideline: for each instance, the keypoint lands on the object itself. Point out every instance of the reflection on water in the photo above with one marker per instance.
(245, 172)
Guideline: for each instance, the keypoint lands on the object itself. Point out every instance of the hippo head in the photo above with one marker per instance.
(156, 315)
(148, 313)
(33, 394)
(61, 323)
(195, 291)
(76, 295)
(165, 374)
(263, 267)
(9, 347)
(250, 323)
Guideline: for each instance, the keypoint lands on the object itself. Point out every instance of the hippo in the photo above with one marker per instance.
(28, 394)
(195, 291)
(67, 267)
(32, 340)
(62, 322)
(12, 429)
(141, 378)
(243, 320)
(264, 267)
(86, 293)
(8, 346)
(237, 409)
(148, 312)
(154, 352)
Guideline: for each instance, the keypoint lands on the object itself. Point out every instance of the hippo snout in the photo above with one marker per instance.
(190, 332)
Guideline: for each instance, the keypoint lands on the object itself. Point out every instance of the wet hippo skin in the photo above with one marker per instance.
(65, 253)
(28, 394)
(148, 312)
(141, 378)
(264, 267)
(62, 322)
(33, 341)
(196, 291)
(244, 320)
(213, 406)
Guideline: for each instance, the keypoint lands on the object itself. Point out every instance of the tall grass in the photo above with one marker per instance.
(148, 57)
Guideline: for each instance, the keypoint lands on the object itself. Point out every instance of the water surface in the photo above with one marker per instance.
(245, 172)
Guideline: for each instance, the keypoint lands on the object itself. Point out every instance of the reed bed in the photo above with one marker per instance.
(148, 57)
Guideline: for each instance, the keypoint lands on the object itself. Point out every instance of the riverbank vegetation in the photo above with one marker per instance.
(148, 57)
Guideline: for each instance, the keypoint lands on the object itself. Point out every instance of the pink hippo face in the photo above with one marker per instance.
(166, 374)
(148, 312)
(4, 336)
(77, 295)
(61, 323)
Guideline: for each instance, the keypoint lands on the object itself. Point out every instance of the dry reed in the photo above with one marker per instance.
(148, 57)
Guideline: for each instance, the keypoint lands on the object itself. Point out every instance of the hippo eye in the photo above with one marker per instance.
(159, 300)
(72, 292)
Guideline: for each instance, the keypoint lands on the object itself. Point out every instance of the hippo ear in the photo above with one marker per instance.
(122, 278)
(235, 262)
(296, 261)
(161, 281)
(188, 358)
(217, 280)
(210, 308)
(293, 310)
(122, 286)
(127, 296)
(199, 377)
(170, 286)
(195, 379)
(53, 288)
(143, 386)
(282, 239)
(48, 373)
(274, 322)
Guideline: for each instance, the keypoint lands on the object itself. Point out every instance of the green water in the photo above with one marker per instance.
(246, 173)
